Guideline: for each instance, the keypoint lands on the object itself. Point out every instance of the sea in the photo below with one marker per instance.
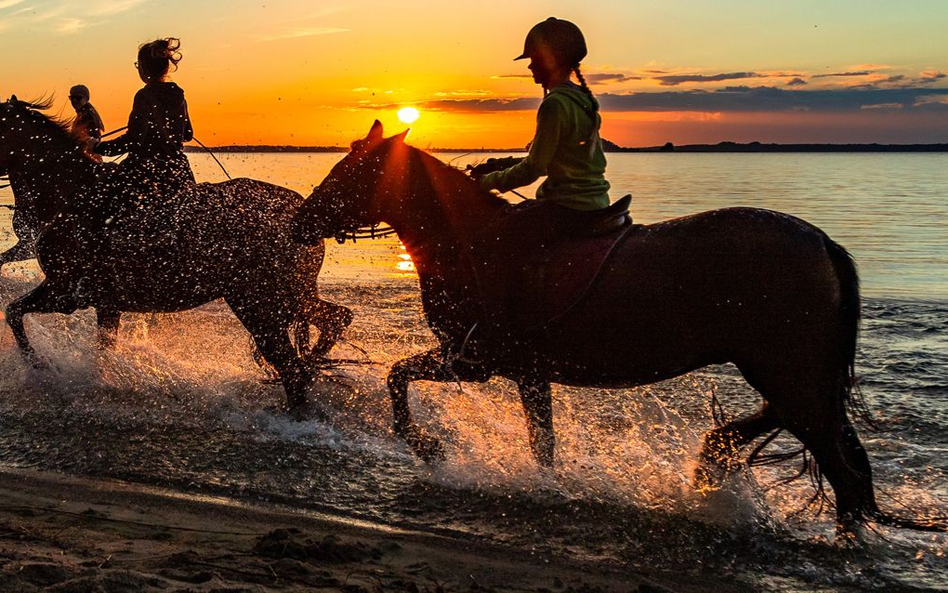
(180, 403)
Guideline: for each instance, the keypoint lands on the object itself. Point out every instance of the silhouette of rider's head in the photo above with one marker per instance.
(156, 58)
(78, 96)
(555, 48)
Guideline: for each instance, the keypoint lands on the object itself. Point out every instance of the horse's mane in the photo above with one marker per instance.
(59, 129)
(456, 176)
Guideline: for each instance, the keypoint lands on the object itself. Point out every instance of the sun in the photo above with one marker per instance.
(408, 115)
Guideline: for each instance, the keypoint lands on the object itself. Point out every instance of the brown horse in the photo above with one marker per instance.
(228, 240)
(763, 290)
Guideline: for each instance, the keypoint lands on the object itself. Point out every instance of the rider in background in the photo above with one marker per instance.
(156, 168)
(566, 147)
(87, 125)
(158, 125)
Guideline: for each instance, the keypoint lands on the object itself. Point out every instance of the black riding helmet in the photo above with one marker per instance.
(561, 39)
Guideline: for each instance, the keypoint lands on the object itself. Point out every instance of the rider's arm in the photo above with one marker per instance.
(133, 137)
(544, 146)
(188, 132)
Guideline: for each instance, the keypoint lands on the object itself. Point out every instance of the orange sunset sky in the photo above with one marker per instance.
(318, 73)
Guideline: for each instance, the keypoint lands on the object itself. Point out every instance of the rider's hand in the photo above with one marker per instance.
(473, 172)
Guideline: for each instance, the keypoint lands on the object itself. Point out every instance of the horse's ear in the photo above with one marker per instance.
(401, 137)
(375, 134)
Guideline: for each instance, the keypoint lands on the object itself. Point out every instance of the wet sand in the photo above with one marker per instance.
(68, 534)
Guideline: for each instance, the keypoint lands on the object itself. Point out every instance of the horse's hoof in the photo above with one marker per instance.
(306, 411)
(425, 446)
(35, 362)
(849, 532)
(707, 478)
(545, 461)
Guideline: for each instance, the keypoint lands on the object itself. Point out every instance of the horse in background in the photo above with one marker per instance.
(768, 292)
(228, 240)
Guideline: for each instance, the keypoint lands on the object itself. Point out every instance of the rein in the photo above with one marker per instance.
(113, 132)
(213, 157)
(201, 144)
(372, 232)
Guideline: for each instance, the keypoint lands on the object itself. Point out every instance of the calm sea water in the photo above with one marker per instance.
(180, 402)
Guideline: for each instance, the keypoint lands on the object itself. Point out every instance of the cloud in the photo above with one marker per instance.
(902, 81)
(925, 100)
(464, 93)
(65, 17)
(796, 82)
(69, 26)
(765, 99)
(676, 79)
(930, 76)
(608, 77)
(883, 106)
(469, 105)
(302, 32)
(731, 99)
(844, 74)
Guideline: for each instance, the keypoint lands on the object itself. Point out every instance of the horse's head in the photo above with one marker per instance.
(28, 136)
(352, 196)
(8, 122)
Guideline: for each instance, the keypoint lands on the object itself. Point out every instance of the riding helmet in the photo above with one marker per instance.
(561, 38)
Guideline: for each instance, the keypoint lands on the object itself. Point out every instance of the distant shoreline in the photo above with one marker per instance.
(751, 147)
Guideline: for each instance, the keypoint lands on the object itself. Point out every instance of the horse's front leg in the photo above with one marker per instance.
(537, 398)
(48, 297)
(428, 366)
(332, 320)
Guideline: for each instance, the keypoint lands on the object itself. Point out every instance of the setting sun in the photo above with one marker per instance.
(408, 115)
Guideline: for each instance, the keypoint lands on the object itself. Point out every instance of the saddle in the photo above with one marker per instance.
(545, 284)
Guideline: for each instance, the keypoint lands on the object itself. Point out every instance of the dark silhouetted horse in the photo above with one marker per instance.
(229, 240)
(765, 291)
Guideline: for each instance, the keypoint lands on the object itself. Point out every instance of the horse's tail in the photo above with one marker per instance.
(932, 524)
(850, 313)
(849, 317)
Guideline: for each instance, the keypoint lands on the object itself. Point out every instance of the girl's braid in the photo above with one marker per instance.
(594, 131)
(585, 87)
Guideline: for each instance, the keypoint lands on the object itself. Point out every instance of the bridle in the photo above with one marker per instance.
(369, 232)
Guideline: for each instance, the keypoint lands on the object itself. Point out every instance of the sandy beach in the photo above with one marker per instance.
(72, 535)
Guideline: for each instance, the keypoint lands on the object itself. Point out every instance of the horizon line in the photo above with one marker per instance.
(722, 146)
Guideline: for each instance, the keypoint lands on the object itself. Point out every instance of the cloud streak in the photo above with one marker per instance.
(609, 77)
(677, 79)
(302, 32)
(844, 74)
(732, 99)
(64, 17)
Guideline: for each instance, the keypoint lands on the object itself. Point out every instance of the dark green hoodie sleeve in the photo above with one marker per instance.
(542, 151)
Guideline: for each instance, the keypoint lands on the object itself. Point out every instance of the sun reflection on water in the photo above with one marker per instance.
(405, 264)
